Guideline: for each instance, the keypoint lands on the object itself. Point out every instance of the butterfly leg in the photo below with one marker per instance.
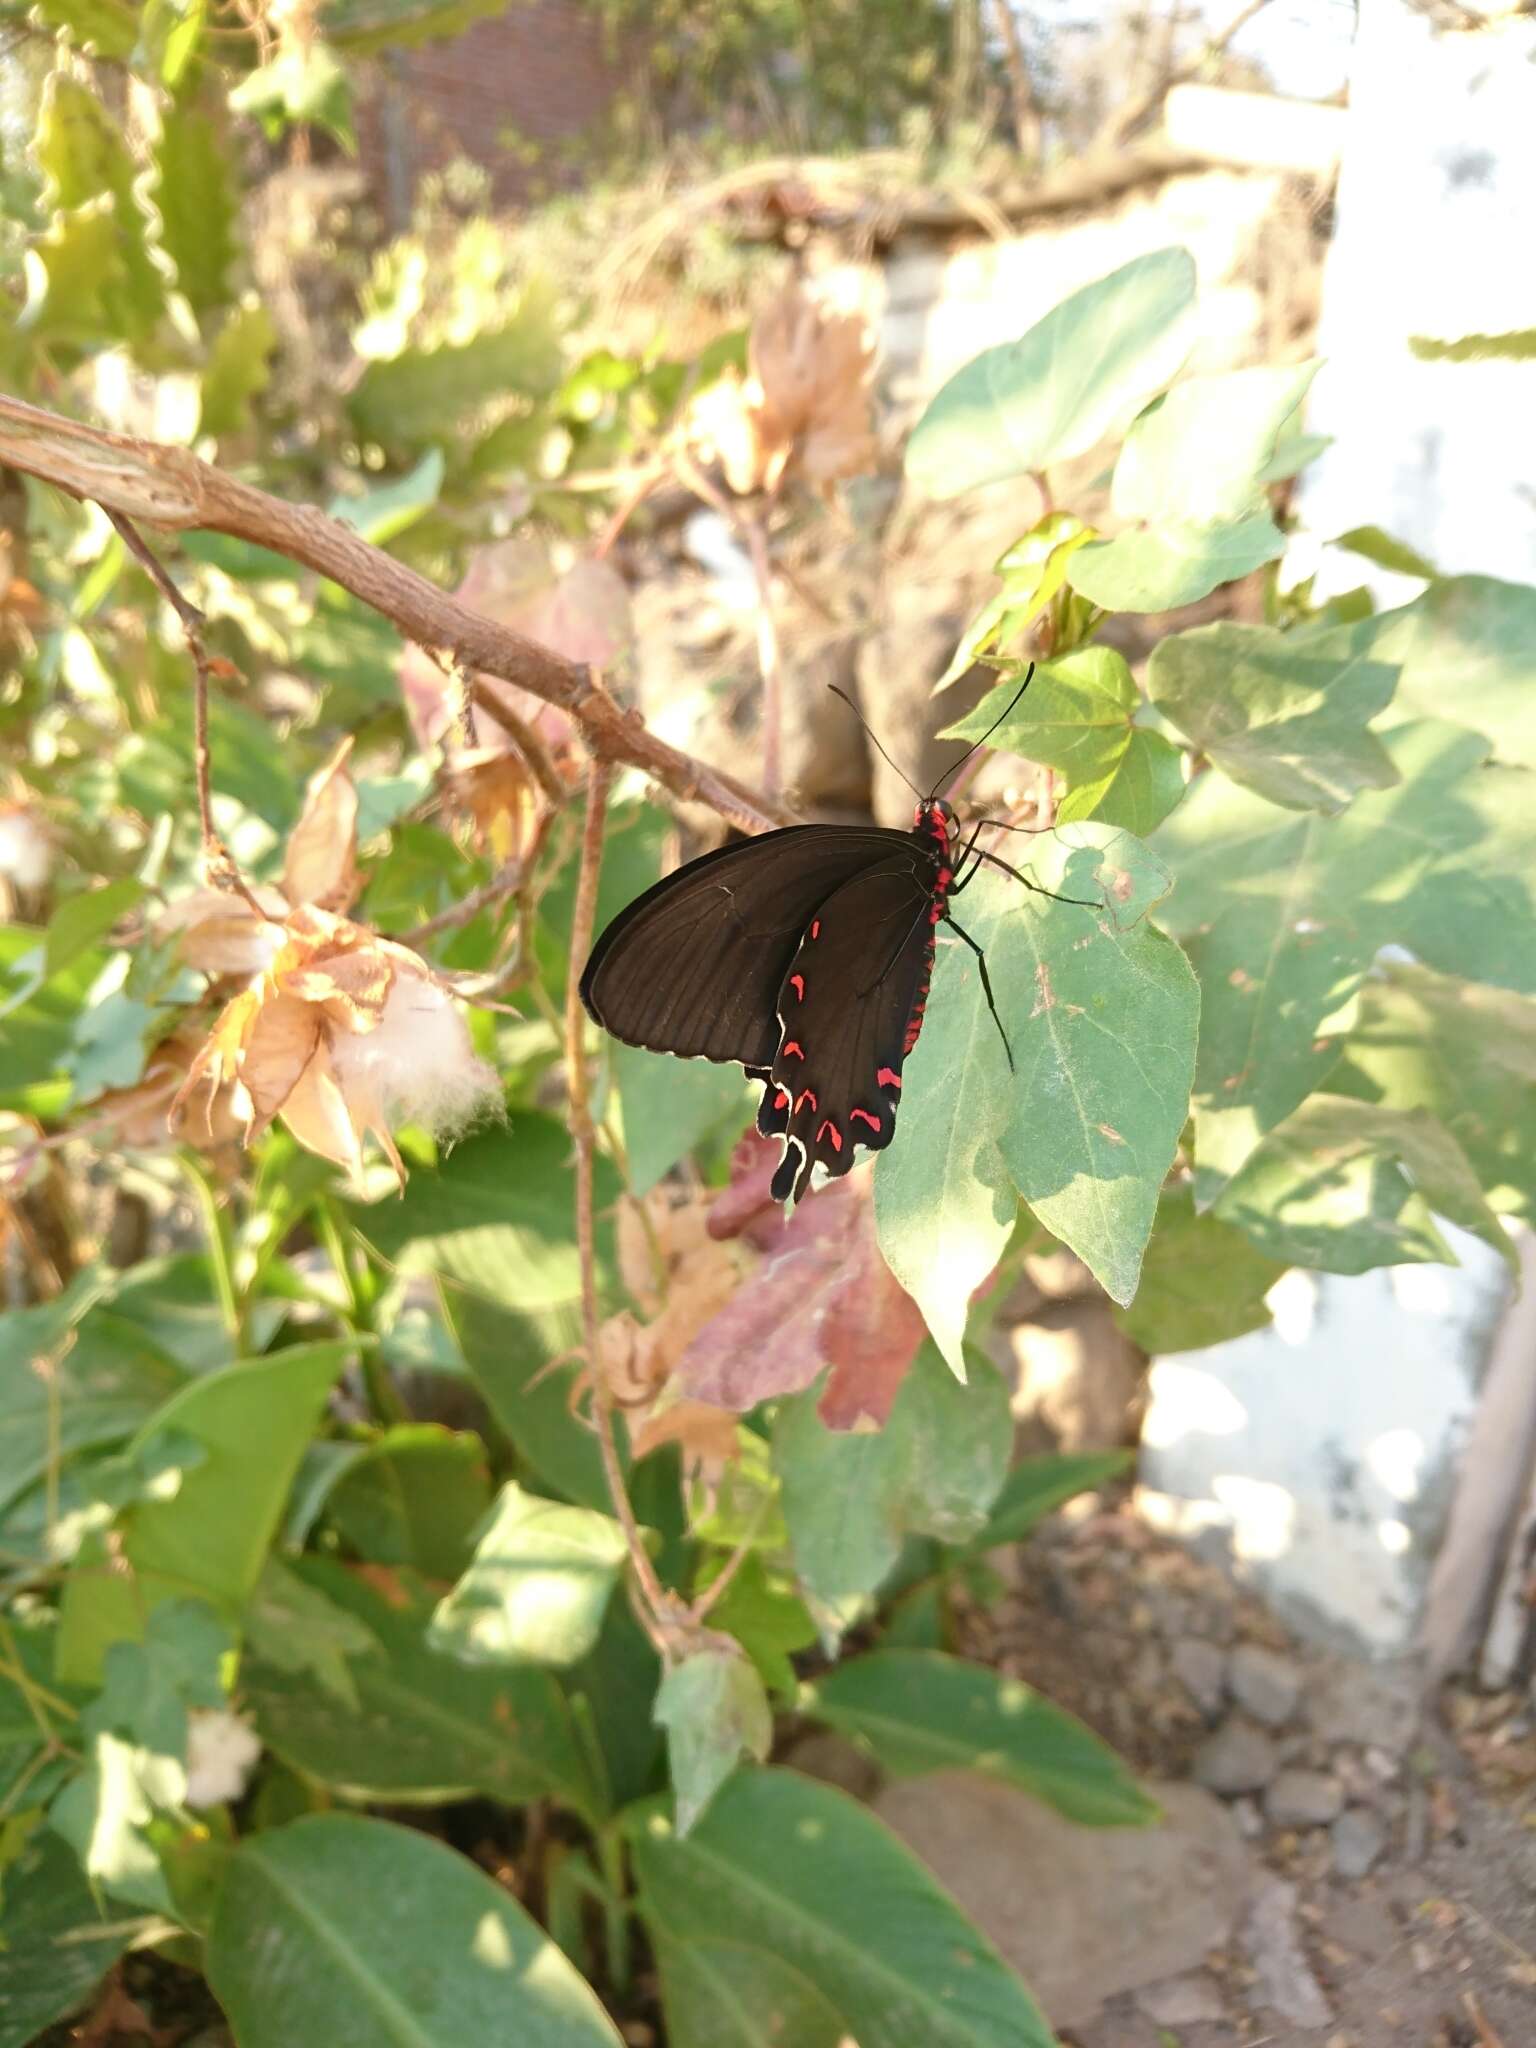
(986, 987)
(1083, 902)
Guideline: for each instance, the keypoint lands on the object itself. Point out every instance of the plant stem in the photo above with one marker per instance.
(221, 1247)
(655, 1603)
(383, 1395)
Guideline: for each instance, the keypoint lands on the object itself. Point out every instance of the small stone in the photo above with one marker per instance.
(1304, 1799)
(1285, 1979)
(1201, 1669)
(1237, 1758)
(1358, 1840)
(1375, 1707)
(1264, 1684)
(1182, 2001)
(1250, 1822)
(1382, 1764)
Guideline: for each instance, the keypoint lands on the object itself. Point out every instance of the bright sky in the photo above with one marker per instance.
(1303, 44)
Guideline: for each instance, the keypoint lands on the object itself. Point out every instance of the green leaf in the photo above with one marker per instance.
(77, 280)
(390, 509)
(425, 397)
(670, 1106)
(252, 1421)
(1202, 1281)
(1035, 1488)
(414, 1497)
(1188, 484)
(715, 1711)
(1283, 913)
(1076, 716)
(338, 1928)
(411, 1724)
(1076, 376)
(61, 1939)
(852, 1497)
(86, 160)
(832, 1894)
(110, 27)
(148, 1686)
(507, 1356)
(1385, 551)
(498, 1216)
(1517, 346)
(724, 1994)
(302, 85)
(196, 198)
(112, 1814)
(56, 1402)
(1468, 650)
(1033, 570)
(81, 920)
(1102, 1012)
(363, 26)
(536, 1587)
(1345, 1185)
(237, 370)
(922, 1711)
(1285, 714)
(1293, 453)
(169, 33)
(292, 1626)
(762, 1611)
(1461, 1051)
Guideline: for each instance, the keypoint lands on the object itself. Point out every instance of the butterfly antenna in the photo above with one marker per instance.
(858, 714)
(950, 773)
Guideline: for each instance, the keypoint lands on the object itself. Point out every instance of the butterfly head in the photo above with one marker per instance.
(936, 819)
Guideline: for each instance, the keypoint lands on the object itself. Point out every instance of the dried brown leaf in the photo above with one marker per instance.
(320, 862)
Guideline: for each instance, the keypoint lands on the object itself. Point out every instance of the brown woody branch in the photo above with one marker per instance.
(170, 487)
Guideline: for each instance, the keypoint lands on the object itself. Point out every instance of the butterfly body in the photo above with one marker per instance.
(805, 956)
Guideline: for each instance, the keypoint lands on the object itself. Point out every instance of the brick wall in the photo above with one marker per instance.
(541, 71)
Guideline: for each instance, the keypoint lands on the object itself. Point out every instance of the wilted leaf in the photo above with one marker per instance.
(714, 1710)
(821, 1296)
(1077, 376)
(320, 861)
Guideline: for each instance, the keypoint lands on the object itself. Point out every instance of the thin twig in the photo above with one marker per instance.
(657, 1604)
(716, 1588)
(222, 869)
(170, 487)
(506, 881)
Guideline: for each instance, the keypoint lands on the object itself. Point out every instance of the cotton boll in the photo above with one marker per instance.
(221, 1754)
(25, 855)
(417, 1063)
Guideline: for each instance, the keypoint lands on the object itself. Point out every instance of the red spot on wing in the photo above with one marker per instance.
(866, 1116)
(781, 1100)
(830, 1130)
(792, 1050)
(807, 1095)
(887, 1078)
(944, 877)
(815, 927)
(797, 983)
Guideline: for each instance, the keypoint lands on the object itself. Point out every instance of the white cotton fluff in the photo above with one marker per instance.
(221, 1754)
(25, 855)
(417, 1063)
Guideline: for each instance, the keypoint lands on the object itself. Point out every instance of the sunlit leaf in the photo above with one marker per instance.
(196, 201)
(339, 1927)
(535, 1589)
(1468, 650)
(1075, 377)
(714, 1710)
(1202, 1281)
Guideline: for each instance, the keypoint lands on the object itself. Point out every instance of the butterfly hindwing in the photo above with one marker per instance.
(695, 966)
(847, 1000)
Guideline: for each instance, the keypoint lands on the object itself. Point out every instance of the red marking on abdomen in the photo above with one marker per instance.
(792, 1049)
(830, 1130)
(887, 1078)
(815, 927)
(797, 983)
(807, 1095)
(865, 1116)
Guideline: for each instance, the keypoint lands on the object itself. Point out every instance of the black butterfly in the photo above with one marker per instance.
(803, 955)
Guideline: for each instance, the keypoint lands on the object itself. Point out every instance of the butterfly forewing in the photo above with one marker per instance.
(846, 1005)
(695, 966)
